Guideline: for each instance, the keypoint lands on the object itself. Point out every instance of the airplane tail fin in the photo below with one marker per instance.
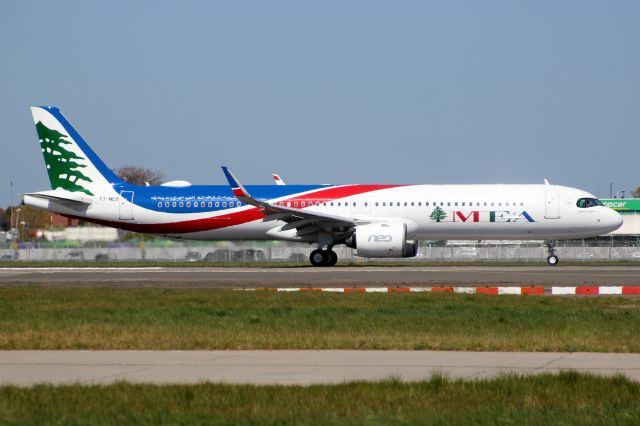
(71, 163)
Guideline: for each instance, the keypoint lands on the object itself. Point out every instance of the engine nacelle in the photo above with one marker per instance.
(382, 240)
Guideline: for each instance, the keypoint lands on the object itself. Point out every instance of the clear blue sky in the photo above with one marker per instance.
(344, 91)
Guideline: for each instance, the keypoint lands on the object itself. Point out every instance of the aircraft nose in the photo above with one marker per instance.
(612, 220)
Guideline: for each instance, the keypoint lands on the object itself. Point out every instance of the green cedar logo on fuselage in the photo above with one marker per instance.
(62, 165)
(438, 214)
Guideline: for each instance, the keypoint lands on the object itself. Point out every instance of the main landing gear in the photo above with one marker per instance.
(326, 257)
(552, 260)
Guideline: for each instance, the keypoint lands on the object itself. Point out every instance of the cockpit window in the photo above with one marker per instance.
(583, 203)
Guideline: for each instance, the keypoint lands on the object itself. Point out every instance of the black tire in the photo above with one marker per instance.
(553, 260)
(318, 258)
(333, 258)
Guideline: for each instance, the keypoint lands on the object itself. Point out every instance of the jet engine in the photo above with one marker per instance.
(382, 240)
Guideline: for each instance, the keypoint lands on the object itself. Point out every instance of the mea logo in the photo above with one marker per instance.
(438, 215)
(380, 238)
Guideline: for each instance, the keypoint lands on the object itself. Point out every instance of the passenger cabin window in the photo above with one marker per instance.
(584, 203)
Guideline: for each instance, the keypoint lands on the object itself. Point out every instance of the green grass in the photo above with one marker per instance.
(99, 318)
(567, 399)
(365, 263)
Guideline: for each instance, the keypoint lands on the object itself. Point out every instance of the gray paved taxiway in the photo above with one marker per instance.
(380, 276)
(292, 367)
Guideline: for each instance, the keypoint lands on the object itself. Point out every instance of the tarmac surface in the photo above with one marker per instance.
(26, 368)
(365, 276)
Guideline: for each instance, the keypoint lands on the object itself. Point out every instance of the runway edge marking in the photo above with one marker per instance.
(585, 290)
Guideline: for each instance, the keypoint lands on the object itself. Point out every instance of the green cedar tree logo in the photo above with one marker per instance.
(438, 214)
(62, 165)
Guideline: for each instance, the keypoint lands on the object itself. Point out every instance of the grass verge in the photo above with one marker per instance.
(568, 398)
(101, 318)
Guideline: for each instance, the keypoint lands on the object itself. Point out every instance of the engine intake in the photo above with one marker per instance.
(382, 240)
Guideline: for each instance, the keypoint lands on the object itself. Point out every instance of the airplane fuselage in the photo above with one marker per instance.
(461, 211)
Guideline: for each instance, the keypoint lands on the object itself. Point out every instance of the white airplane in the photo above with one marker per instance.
(377, 220)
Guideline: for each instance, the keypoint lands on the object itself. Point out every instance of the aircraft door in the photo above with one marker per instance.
(552, 205)
(126, 205)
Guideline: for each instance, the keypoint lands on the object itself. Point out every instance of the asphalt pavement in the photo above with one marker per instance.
(26, 368)
(271, 277)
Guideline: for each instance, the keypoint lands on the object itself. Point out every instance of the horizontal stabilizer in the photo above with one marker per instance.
(61, 196)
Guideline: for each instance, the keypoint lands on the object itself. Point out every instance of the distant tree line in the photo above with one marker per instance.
(140, 175)
(27, 217)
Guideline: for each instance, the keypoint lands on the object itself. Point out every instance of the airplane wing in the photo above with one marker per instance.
(278, 180)
(305, 222)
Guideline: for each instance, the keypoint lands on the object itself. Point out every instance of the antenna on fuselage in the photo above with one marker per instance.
(546, 182)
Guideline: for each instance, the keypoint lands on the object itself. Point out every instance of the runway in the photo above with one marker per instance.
(365, 276)
(292, 367)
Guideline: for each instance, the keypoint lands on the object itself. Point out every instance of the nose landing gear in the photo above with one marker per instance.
(552, 259)
(326, 257)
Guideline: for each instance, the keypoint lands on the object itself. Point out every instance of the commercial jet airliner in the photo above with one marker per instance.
(378, 221)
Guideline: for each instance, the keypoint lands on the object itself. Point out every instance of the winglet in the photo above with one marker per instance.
(236, 186)
(278, 180)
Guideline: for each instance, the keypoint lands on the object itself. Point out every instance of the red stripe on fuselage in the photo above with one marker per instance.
(239, 217)
(336, 192)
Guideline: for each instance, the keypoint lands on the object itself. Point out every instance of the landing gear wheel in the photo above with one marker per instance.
(318, 258)
(552, 260)
(332, 258)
